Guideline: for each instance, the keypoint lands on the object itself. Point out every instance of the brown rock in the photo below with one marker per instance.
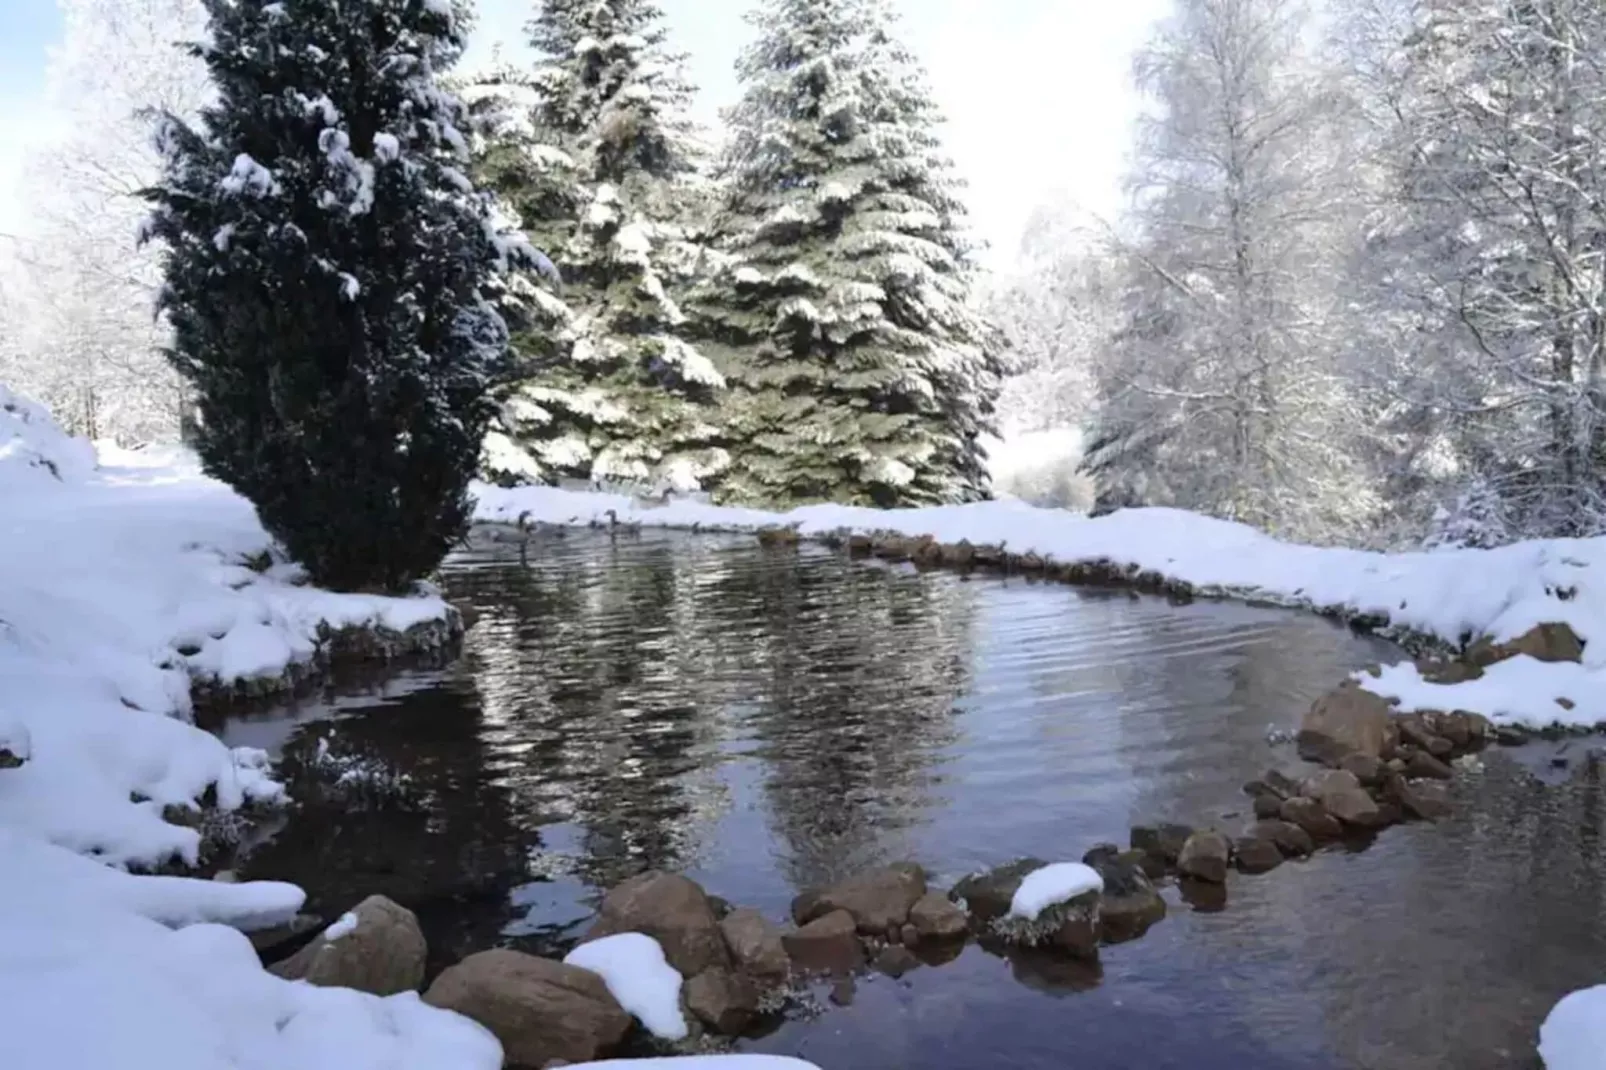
(724, 1001)
(1078, 931)
(1421, 765)
(1281, 784)
(1427, 800)
(281, 941)
(959, 554)
(1367, 769)
(1205, 856)
(1309, 815)
(826, 945)
(936, 917)
(1129, 905)
(877, 900)
(1255, 855)
(1340, 794)
(1346, 721)
(383, 955)
(1164, 842)
(1289, 838)
(843, 992)
(539, 1009)
(909, 936)
(989, 895)
(1543, 642)
(895, 961)
(755, 945)
(1267, 806)
(671, 909)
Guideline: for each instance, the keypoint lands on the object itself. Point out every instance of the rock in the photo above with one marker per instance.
(936, 917)
(877, 900)
(777, 536)
(843, 992)
(1543, 642)
(539, 1009)
(383, 955)
(960, 554)
(1162, 841)
(1281, 784)
(1309, 815)
(722, 1000)
(755, 945)
(1427, 800)
(1510, 735)
(1205, 897)
(1341, 795)
(1267, 806)
(1255, 855)
(1205, 856)
(826, 945)
(10, 759)
(1461, 727)
(1100, 852)
(671, 909)
(1442, 671)
(1349, 720)
(1130, 905)
(988, 895)
(1289, 838)
(895, 961)
(1078, 931)
(909, 936)
(1367, 769)
(282, 941)
(860, 544)
(1423, 765)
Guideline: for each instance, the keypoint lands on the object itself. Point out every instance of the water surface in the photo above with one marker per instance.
(766, 720)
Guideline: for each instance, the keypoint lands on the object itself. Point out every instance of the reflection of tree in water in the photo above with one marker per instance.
(599, 702)
(396, 802)
(860, 669)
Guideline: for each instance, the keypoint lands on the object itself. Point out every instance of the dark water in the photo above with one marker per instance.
(766, 720)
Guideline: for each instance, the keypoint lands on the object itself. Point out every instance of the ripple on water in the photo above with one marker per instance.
(767, 720)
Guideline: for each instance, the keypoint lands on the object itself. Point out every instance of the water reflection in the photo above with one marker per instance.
(765, 720)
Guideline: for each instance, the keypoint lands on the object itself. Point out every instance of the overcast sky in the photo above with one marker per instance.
(1037, 92)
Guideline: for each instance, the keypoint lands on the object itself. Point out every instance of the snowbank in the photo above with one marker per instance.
(118, 585)
(1447, 594)
(1056, 883)
(1573, 1035)
(633, 967)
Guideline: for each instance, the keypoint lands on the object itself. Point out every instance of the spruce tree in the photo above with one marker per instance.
(327, 268)
(603, 172)
(859, 370)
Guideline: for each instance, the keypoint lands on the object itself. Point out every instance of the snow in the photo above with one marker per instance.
(1573, 1035)
(633, 967)
(386, 147)
(1053, 884)
(346, 925)
(1443, 594)
(118, 585)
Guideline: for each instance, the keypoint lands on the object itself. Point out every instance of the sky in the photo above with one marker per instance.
(1037, 93)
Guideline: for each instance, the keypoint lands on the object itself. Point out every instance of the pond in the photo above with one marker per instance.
(766, 720)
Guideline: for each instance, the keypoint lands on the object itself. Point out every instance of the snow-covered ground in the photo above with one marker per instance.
(116, 585)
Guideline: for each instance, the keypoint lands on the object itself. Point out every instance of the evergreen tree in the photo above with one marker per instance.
(602, 170)
(859, 371)
(327, 273)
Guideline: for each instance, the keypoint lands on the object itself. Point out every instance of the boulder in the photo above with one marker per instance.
(1281, 784)
(1427, 800)
(1205, 856)
(878, 900)
(1077, 931)
(826, 945)
(723, 1000)
(671, 909)
(755, 945)
(1367, 769)
(1267, 806)
(1290, 839)
(1164, 842)
(1252, 854)
(1423, 765)
(895, 961)
(1341, 795)
(989, 895)
(936, 917)
(1130, 904)
(1309, 815)
(1543, 642)
(1349, 720)
(382, 954)
(539, 1009)
(1461, 727)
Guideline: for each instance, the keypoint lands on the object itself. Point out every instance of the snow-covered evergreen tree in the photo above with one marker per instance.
(860, 371)
(601, 170)
(326, 266)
